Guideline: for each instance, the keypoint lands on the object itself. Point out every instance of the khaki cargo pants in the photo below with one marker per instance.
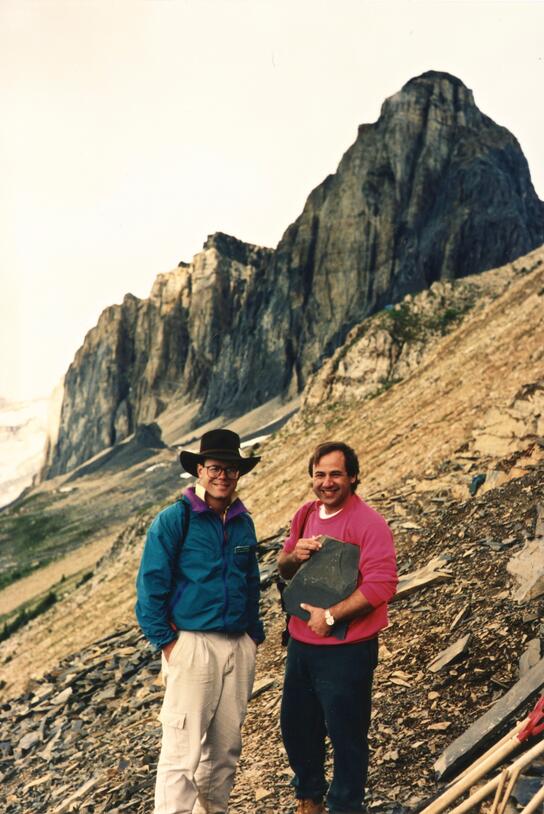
(208, 678)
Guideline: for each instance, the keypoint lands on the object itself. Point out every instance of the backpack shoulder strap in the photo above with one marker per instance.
(186, 509)
(186, 519)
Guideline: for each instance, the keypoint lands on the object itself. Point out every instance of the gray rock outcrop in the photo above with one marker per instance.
(389, 346)
(433, 190)
(144, 353)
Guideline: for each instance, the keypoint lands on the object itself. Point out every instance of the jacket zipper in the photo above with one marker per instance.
(225, 590)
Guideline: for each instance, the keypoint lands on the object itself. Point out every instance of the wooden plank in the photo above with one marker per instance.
(483, 730)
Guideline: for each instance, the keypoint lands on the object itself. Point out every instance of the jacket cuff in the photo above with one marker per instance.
(159, 642)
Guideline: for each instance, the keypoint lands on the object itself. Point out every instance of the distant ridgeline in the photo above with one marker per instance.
(433, 190)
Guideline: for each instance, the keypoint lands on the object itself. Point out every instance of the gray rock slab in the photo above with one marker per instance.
(477, 737)
(461, 616)
(107, 694)
(262, 685)
(80, 792)
(432, 573)
(527, 568)
(525, 789)
(28, 741)
(62, 697)
(455, 651)
(329, 576)
(530, 657)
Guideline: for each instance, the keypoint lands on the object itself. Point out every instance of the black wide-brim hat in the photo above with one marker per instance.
(224, 445)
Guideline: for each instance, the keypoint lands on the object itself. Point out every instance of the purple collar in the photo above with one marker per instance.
(200, 506)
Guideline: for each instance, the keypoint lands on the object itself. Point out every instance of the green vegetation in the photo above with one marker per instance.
(383, 386)
(18, 572)
(36, 531)
(46, 525)
(333, 413)
(18, 618)
(406, 324)
(147, 507)
(30, 530)
(85, 578)
(25, 615)
(444, 321)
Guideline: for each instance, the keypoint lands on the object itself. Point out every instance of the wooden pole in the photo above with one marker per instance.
(533, 804)
(493, 757)
(476, 773)
(500, 787)
(511, 783)
(518, 727)
(485, 791)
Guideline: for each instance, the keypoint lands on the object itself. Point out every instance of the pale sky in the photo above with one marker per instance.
(132, 129)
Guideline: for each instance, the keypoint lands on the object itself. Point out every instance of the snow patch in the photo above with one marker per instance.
(23, 432)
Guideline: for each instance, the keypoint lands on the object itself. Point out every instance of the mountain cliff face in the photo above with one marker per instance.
(389, 346)
(143, 353)
(434, 190)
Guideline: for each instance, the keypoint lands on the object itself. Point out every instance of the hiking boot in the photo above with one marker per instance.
(310, 807)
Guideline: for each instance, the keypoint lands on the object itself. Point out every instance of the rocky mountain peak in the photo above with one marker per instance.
(433, 190)
(437, 91)
(232, 248)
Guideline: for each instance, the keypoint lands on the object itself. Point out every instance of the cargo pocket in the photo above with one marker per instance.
(175, 738)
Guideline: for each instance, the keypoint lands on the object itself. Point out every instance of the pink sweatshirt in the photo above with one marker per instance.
(360, 524)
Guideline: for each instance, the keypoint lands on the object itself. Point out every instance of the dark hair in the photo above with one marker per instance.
(350, 457)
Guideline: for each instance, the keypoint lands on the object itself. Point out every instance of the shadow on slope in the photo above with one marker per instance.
(134, 450)
(67, 512)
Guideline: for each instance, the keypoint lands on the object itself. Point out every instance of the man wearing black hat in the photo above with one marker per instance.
(198, 601)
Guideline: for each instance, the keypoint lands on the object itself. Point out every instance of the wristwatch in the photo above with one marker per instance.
(329, 618)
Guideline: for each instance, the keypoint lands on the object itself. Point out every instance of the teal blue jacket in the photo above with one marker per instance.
(207, 582)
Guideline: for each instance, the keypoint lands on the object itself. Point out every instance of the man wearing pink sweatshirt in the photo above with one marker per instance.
(328, 681)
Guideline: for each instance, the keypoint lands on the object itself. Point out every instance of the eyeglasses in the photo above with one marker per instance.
(214, 470)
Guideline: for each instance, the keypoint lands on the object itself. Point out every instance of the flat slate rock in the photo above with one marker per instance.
(530, 657)
(262, 685)
(525, 789)
(478, 735)
(329, 576)
(431, 574)
(452, 653)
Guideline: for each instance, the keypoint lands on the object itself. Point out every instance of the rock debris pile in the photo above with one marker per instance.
(85, 737)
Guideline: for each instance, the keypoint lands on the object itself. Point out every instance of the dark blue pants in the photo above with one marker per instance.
(327, 691)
